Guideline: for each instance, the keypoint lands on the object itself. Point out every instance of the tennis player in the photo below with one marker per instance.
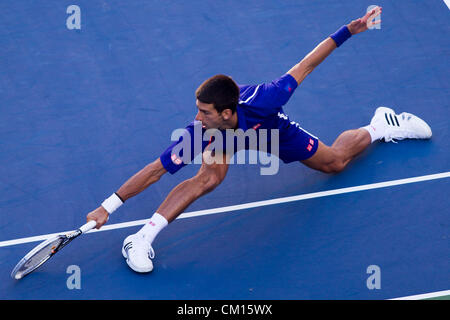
(222, 104)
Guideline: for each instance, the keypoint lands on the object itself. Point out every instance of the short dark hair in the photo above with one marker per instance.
(221, 91)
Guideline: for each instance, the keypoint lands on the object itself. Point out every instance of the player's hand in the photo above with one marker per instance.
(364, 23)
(99, 215)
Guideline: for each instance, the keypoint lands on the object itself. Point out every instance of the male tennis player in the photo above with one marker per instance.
(222, 104)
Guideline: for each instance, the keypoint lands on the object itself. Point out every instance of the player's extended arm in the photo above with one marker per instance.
(324, 49)
(142, 180)
(133, 186)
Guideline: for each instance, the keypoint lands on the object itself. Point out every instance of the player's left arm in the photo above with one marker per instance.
(326, 47)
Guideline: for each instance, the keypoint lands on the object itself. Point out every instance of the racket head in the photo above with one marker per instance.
(46, 250)
(37, 256)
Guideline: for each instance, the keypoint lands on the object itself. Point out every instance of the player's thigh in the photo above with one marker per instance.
(297, 144)
(323, 159)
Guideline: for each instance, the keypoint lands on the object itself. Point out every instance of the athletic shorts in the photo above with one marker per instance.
(296, 144)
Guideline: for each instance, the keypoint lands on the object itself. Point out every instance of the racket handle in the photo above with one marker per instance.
(88, 226)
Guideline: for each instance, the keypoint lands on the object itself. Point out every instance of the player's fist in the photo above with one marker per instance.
(364, 23)
(99, 215)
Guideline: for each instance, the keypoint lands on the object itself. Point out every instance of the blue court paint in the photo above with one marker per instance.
(83, 110)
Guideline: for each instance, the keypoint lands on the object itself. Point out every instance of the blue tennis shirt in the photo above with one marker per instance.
(260, 107)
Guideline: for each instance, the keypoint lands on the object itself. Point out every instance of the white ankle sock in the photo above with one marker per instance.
(376, 132)
(151, 229)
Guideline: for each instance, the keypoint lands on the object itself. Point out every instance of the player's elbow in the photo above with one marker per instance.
(301, 70)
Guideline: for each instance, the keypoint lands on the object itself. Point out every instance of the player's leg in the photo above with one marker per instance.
(334, 158)
(297, 144)
(137, 247)
(385, 125)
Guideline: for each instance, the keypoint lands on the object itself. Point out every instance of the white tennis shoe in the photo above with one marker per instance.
(400, 126)
(138, 252)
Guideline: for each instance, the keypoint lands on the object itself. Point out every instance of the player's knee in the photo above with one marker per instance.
(335, 166)
(338, 167)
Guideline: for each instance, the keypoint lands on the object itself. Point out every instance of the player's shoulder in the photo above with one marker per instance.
(247, 92)
(285, 83)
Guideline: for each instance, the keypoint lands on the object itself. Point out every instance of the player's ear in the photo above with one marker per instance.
(226, 114)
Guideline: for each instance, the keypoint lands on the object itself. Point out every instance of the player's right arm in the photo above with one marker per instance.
(142, 180)
(167, 162)
(133, 186)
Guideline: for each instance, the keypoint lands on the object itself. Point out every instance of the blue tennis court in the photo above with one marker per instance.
(84, 109)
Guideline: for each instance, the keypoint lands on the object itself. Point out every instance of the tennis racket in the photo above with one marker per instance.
(44, 251)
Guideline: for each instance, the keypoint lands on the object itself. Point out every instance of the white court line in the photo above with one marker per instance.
(425, 295)
(249, 205)
(447, 2)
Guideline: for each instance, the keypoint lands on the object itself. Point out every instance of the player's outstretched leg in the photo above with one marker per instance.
(334, 158)
(385, 125)
(137, 248)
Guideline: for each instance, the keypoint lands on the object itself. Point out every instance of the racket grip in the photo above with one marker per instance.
(88, 226)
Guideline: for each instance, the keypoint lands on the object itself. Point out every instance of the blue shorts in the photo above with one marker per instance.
(296, 144)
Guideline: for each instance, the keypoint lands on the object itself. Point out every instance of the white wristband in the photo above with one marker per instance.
(112, 203)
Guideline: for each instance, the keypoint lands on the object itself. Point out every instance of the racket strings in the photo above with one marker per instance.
(37, 258)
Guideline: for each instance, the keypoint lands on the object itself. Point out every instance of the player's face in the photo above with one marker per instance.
(208, 115)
